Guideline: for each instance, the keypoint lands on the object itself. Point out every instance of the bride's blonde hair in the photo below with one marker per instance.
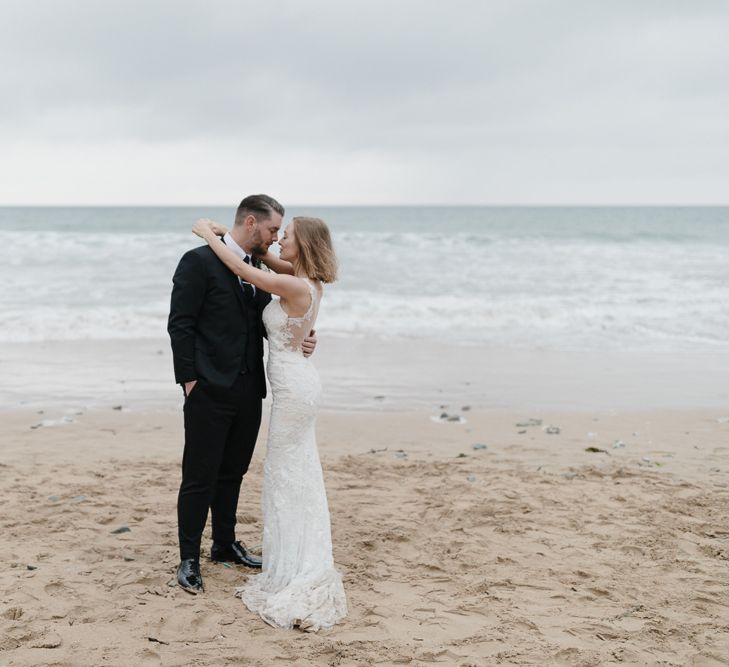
(316, 256)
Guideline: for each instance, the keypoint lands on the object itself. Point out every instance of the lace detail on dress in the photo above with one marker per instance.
(287, 333)
(298, 584)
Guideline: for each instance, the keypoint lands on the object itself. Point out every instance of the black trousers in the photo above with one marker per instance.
(221, 427)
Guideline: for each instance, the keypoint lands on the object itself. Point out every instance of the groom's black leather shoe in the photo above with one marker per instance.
(188, 576)
(234, 553)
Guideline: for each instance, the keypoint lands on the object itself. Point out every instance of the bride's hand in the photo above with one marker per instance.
(203, 228)
(218, 229)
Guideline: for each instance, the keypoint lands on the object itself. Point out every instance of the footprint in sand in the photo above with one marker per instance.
(56, 588)
(150, 658)
(13, 614)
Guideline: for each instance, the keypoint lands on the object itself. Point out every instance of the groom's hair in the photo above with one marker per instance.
(259, 206)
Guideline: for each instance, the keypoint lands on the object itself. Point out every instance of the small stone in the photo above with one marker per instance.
(569, 475)
(529, 422)
(400, 454)
(522, 432)
(478, 445)
(461, 456)
(117, 407)
(49, 641)
(618, 444)
(471, 478)
(121, 529)
(54, 499)
(77, 499)
(552, 430)
(35, 426)
(31, 567)
(445, 417)
(129, 558)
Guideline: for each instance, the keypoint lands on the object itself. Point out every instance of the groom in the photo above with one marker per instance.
(217, 334)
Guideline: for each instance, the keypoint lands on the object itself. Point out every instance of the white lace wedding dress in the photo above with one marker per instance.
(298, 585)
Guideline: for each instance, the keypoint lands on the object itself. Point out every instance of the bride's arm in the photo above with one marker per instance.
(275, 263)
(285, 286)
(218, 229)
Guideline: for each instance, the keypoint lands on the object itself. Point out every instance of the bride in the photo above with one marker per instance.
(298, 585)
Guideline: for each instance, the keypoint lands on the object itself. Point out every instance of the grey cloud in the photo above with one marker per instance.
(464, 81)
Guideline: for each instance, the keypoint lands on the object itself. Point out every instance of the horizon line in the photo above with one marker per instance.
(385, 205)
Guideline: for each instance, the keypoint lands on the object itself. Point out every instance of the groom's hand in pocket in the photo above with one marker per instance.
(189, 387)
(309, 343)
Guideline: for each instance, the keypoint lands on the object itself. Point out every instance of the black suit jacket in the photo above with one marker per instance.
(210, 322)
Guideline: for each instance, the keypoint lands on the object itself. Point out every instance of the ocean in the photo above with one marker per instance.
(572, 278)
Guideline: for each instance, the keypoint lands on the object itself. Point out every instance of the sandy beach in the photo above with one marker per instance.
(467, 534)
(514, 221)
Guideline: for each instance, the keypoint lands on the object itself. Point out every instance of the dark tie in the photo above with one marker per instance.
(247, 287)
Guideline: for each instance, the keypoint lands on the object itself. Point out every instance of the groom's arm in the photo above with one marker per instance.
(188, 293)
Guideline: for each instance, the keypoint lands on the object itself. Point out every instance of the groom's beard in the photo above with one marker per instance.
(259, 250)
(258, 247)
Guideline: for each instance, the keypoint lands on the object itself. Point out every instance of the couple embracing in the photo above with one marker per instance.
(221, 308)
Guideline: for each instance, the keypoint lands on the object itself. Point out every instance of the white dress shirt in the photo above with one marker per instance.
(228, 240)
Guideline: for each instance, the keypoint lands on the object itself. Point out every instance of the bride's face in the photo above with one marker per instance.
(289, 251)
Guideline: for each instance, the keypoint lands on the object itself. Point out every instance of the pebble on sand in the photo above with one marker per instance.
(121, 529)
(445, 417)
(49, 641)
(529, 422)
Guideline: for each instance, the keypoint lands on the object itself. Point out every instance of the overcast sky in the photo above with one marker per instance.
(364, 102)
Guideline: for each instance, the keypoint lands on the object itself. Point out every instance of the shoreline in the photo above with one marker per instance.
(365, 374)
